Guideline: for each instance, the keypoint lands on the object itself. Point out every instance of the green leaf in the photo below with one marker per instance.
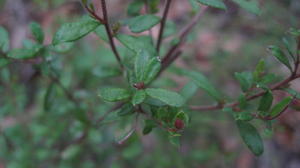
(175, 140)
(126, 109)
(25, 53)
(106, 72)
(149, 125)
(136, 44)
(293, 92)
(288, 45)
(170, 29)
(134, 8)
(259, 70)
(69, 32)
(138, 97)
(101, 33)
(280, 56)
(114, 94)
(266, 101)
(4, 40)
(281, 106)
(141, 61)
(213, 3)
(153, 6)
(37, 31)
(151, 70)
(245, 79)
(249, 5)
(251, 137)
(203, 83)
(244, 116)
(142, 23)
(168, 97)
(62, 47)
(189, 90)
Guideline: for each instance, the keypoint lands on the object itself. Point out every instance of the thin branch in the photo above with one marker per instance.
(259, 94)
(109, 33)
(162, 25)
(93, 14)
(182, 36)
(298, 58)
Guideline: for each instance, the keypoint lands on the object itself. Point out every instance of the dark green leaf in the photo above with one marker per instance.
(266, 101)
(245, 79)
(151, 70)
(134, 8)
(69, 32)
(249, 5)
(213, 3)
(4, 40)
(138, 97)
(251, 137)
(126, 109)
(168, 97)
(280, 56)
(37, 32)
(142, 23)
(281, 106)
(259, 70)
(114, 94)
(153, 6)
(149, 125)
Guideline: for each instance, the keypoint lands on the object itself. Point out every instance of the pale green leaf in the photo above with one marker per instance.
(114, 94)
(69, 32)
(138, 97)
(168, 97)
(142, 23)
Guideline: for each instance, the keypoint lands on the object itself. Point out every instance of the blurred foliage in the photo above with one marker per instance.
(40, 126)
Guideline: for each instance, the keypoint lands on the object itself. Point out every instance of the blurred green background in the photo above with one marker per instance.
(39, 131)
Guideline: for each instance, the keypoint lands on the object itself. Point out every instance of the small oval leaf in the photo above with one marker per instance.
(114, 94)
(168, 97)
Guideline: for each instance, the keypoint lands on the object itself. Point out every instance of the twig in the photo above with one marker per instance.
(234, 104)
(183, 34)
(109, 33)
(162, 25)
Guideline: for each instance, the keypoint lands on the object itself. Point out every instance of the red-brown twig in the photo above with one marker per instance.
(259, 94)
(109, 33)
(182, 37)
(162, 25)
